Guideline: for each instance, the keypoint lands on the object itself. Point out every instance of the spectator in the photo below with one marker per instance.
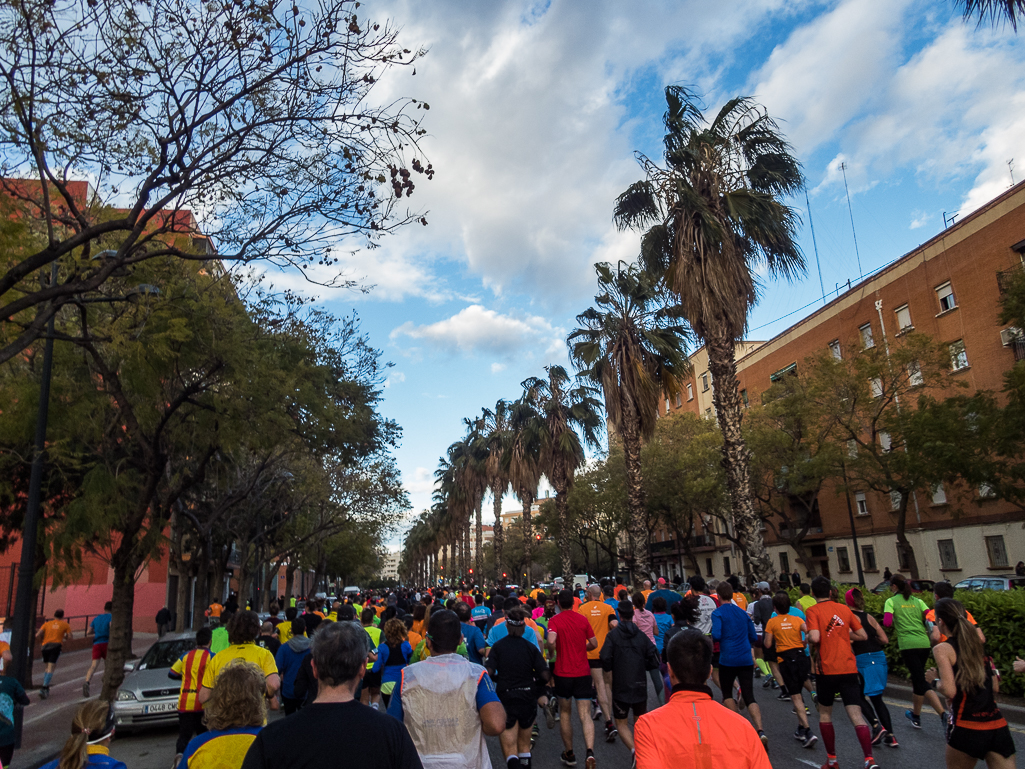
(692, 730)
(288, 660)
(628, 654)
(189, 669)
(242, 631)
(235, 713)
(163, 620)
(448, 703)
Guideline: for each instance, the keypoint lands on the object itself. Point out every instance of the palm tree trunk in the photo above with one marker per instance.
(468, 562)
(730, 414)
(638, 558)
(478, 567)
(499, 542)
(528, 537)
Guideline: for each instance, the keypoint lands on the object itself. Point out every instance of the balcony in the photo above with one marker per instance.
(1006, 277)
(1018, 347)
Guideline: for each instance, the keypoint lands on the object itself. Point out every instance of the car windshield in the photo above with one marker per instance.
(164, 653)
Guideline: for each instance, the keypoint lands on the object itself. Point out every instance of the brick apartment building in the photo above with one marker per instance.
(949, 289)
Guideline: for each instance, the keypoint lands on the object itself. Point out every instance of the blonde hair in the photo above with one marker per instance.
(89, 719)
(237, 698)
(395, 631)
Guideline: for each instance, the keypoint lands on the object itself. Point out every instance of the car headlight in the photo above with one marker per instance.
(123, 695)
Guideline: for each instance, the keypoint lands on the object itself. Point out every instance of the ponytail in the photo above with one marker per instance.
(971, 658)
(92, 723)
(902, 585)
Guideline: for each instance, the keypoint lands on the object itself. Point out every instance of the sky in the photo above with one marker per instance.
(537, 110)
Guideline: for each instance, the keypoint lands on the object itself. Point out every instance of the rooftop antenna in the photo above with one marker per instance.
(1010, 169)
(815, 245)
(843, 169)
(948, 221)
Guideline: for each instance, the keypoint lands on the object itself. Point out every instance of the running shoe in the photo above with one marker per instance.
(799, 734)
(535, 732)
(767, 682)
(85, 689)
(44, 692)
(765, 740)
(877, 733)
(834, 764)
(916, 721)
(568, 759)
(809, 739)
(870, 764)
(595, 710)
(610, 731)
(945, 718)
(590, 763)
(773, 684)
(890, 741)
(550, 714)
(783, 695)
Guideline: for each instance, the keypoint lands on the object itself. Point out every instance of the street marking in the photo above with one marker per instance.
(809, 763)
(49, 713)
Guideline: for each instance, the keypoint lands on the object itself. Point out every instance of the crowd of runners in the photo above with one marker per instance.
(421, 676)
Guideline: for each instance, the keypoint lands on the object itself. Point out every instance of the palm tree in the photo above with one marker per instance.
(994, 10)
(472, 476)
(714, 217)
(632, 346)
(523, 463)
(495, 437)
(565, 408)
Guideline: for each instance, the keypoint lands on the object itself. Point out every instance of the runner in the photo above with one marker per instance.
(520, 674)
(88, 747)
(235, 713)
(977, 730)
(289, 660)
(189, 669)
(99, 629)
(599, 614)
(52, 636)
(571, 638)
(806, 601)
(786, 634)
(944, 589)
(628, 654)
(905, 613)
(670, 596)
(760, 610)
(475, 644)
(392, 657)
(268, 638)
(831, 629)
(220, 640)
(285, 628)
(733, 629)
(647, 624)
(242, 630)
(870, 655)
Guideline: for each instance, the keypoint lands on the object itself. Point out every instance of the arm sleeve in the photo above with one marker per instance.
(254, 756)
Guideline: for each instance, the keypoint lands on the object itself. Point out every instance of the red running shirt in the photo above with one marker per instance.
(834, 621)
(572, 634)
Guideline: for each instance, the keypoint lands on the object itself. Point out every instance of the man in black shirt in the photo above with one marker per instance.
(520, 675)
(296, 742)
(268, 638)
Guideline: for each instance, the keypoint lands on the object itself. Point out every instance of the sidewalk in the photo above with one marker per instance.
(47, 723)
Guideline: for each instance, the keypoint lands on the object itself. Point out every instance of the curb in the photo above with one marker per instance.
(1011, 710)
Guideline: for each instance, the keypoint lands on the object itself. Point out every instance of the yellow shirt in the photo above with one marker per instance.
(250, 652)
(191, 666)
(285, 631)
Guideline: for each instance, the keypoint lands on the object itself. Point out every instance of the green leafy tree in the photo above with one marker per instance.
(713, 217)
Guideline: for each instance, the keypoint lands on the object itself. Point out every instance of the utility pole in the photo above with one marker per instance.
(843, 169)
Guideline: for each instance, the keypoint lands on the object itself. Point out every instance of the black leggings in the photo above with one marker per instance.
(915, 659)
(744, 675)
(880, 714)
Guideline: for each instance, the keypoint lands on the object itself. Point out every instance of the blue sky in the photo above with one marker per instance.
(537, 109)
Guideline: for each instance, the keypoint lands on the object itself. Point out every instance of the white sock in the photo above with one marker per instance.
(525, 755)
(510, 758)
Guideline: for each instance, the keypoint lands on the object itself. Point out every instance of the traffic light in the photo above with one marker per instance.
(504, 574)
(538, 536)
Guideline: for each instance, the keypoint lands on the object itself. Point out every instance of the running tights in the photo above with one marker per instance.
(880, 714)
(656, 680)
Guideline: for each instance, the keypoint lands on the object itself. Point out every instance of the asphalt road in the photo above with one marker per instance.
(925, 747)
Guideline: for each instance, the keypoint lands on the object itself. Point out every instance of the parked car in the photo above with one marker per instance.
(351, 590)
(917, 586)
(147, 697)
(991, 582)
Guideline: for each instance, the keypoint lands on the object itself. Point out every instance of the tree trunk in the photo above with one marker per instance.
(119, 649)
(467, 561)
(528, 538)
(499, 543)
(181, 600)
(289, 583)
(444, 562)
(638, 559)
(565, 554)
(270, 585)
(903, 545)
(730, 412)
(478, 569)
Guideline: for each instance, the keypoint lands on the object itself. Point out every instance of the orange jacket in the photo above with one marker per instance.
(693, 730)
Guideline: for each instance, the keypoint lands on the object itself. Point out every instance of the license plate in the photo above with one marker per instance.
(160, 707)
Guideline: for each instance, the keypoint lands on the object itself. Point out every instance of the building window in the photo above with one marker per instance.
(866, 336)
(877, 387)
(843, 559)
(986, 491)
(903, 318)
(915, 378)
(861, 503)
(948, 555)
(885, 442)
(743, 397)
(946, 296)
(939, 494)
(690, 391)
(902, 558)
(834, 347)
(784, 562)
(708, 412)
(790, 370)
(726, 566)
(895, 499)
(958, 355)
(997, 552)
(704, 382)
(708, 567)
(868, 557)
(679, 399)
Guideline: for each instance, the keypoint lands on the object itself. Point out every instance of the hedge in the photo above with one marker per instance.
(1000, 614)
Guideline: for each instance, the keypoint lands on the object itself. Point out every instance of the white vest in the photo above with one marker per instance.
(439, 704)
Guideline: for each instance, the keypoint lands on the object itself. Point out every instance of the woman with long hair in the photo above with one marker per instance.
(905, 613)
(419, 613)
(89, 744)
(392, 656)
(234, 715)
(870, 655)
(977, 731)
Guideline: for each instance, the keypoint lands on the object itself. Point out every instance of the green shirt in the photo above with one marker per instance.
(908, 621)
(806, 601)
(219, 640)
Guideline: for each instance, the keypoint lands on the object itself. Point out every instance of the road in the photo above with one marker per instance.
(155, 749)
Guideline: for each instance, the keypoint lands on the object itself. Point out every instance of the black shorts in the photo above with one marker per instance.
(916, 660)
(744, 675)
(978, 742)
(595, 664)
(620, 710)
(848, 686)
(51, 653)
(372, 680)
(520, 707)
(577, 688)
(794, 668)
(715, 659)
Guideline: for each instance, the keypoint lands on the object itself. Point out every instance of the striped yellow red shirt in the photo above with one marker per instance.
(191, 666)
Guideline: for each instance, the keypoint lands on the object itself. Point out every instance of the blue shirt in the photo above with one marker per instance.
(733, 629)
(480, 612)
(498, 632)
(664, 622)
(485, 693)
(474, 641)
(101, 628)
(671, 597)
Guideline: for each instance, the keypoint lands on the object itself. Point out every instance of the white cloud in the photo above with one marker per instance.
(394, 377)
(920, 219)
(497, 368)
(476, 329)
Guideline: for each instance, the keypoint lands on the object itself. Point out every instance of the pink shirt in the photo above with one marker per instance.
(645, 620)
(538, 612)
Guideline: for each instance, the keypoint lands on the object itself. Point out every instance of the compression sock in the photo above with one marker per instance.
(47, 677)
(865, 738)
(764, 667)
(525, 760)
(828, 738)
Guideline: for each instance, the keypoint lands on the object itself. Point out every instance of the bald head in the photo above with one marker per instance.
(594, 592)
(647, 584)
